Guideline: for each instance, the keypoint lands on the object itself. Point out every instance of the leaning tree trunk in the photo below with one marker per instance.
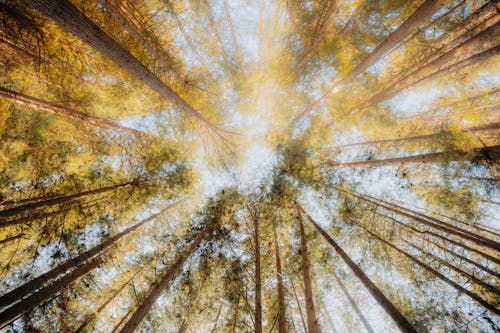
(347, 294)
(281, 289)
(20, 308)
(29, 287)
(37, 205)
(422, 14)
(66, 112)
(400, 320)
(490, 153)
(437, 67)
(258, 278)
(72, 20)
(159, 287)
(434, 272)
(312, 321)
(109, 300)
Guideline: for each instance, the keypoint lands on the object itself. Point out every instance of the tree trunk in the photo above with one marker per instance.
(29, 287)
(312, 321)
(460, 271)
(493, 153)
(439, 67)
(422, 14)
(213, 26)
(143, 36)
(423, 137)
(65, 112)
(235, 316)
(185, 35)
(450, 282)
(258, 277)
(347, 294)
(37, 205)
(400, 320)
(216, 321)
(281, 291)
(432, 222)
(298, 304)
(184, 326)
(156, 291)
(32, 217)
(20, 308)
(237, 53)
(71, 19)
(103, 305)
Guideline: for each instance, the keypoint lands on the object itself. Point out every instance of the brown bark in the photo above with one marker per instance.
(235, 317)
(156, 291)
(20, 308)
(442, 277)
(65, 112)
(419, 16)
(423, 137)
(347, 294)
(37, 205)
(440, 66)
(72, 20)
(185, 34)
(33, 217)
(258, 278)
(312, 321)
(433, 222)
(281, 291)
(477, 155)
(184, 326)
(139, 32)
(31, 286)
(103, 305)
(400, 320)
(298, 303)
(460, 271)
(233, 32)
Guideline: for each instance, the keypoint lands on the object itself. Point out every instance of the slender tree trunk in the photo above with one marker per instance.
(185, 35)
(460, 271)
(216, 321)
(347, 294)
(298, 304)
(20, 308)
(235, 317)
(422, 14)
(37, 205)
(65, 112)
(115, 329)
(312, 321)
(31, 286)
(432, 222)
(213, 26)
(493, 153)
(156, 291)
(184, 326)
(476, 130)
(400, 320)
(440, 66)
(281, 291)
(440, 276)
(258, 277)
(33, 217)
(233, 32)
(71, 19)
(143, 36)
(103, 305)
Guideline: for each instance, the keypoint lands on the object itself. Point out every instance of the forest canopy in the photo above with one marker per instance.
(249, 166)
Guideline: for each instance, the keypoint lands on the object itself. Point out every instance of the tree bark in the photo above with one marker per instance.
(442, 277)
(494, 155)
(72, 20)
(423, 137)
(281, 291)
(440, 66)
(419, 16)
(347, 294)
(258, 278)
(312, 321)
(400, 320)
(37, 205)
(20, 308)
(65, 112)
(31, 286)
(156, 291)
